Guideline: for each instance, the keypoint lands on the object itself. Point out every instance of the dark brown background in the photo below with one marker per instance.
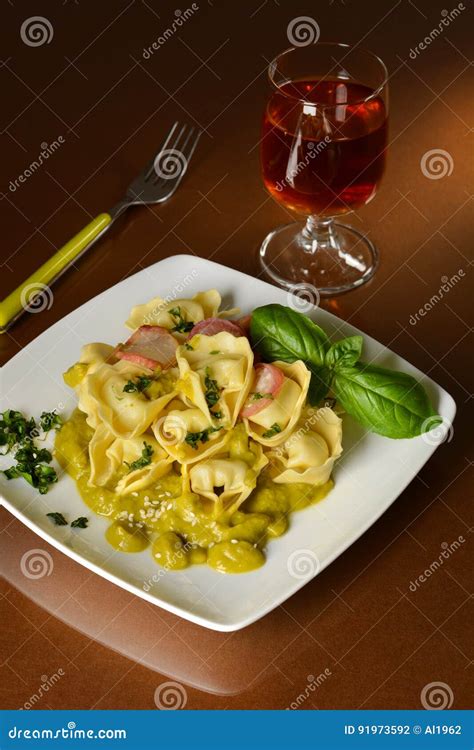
(381, 642)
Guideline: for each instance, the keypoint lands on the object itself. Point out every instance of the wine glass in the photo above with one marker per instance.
(323, 155)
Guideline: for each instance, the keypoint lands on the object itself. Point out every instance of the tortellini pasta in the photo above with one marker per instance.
(216, 375)
(138, 479)
(227, 481)
(125, 414)
(95, 354)
(187, 433)
(208, 421)
(102, 466)
(309, 453)
(159, 312)
(272, 425)
(108, 454)
(92, 357)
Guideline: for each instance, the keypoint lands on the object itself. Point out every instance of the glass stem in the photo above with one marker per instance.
(317, 234)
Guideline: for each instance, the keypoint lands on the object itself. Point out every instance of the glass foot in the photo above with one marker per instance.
(330, 257)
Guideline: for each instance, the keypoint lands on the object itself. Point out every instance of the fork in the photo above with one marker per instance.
(155, 184)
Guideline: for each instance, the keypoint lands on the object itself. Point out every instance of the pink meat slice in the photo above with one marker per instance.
(211, 326)
(268, 383)
(244, 323)
(149, 346)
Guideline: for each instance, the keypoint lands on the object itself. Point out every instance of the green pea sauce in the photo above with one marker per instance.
(127, 537)
(179, 526)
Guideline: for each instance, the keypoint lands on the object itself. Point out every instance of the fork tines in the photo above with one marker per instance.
(174, 154)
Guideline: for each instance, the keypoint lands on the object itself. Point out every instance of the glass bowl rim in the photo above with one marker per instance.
(273, 65)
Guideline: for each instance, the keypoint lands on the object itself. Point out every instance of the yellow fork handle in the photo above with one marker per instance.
(37, 285)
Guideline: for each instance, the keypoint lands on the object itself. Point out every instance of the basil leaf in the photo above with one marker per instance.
(278, 332)
(319, 384)
(345, 353)
(390, 403)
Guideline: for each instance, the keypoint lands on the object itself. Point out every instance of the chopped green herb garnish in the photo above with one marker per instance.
(59, 520)
(50, 420)
(188, 347)
(138, 385)
(16, 431)
(144, 460)
(181, 325)
(257, 396)
(31, 465)
(28, 453)
(14, 428)
(79, 523)
(193, 438)
(216, 414)
(274, 430)
(213, 392)
(43, 476)
(216, 351)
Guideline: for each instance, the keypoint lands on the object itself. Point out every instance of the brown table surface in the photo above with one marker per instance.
(381, 642)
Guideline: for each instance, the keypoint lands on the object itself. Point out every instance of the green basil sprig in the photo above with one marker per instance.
(390, 403)
(345, 352)
(279, 333)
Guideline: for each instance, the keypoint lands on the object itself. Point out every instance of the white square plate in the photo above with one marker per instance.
(370, 475)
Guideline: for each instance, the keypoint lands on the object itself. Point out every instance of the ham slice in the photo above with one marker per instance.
(211, 326)
(149, 346)
(244, 323)
(268, 382)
